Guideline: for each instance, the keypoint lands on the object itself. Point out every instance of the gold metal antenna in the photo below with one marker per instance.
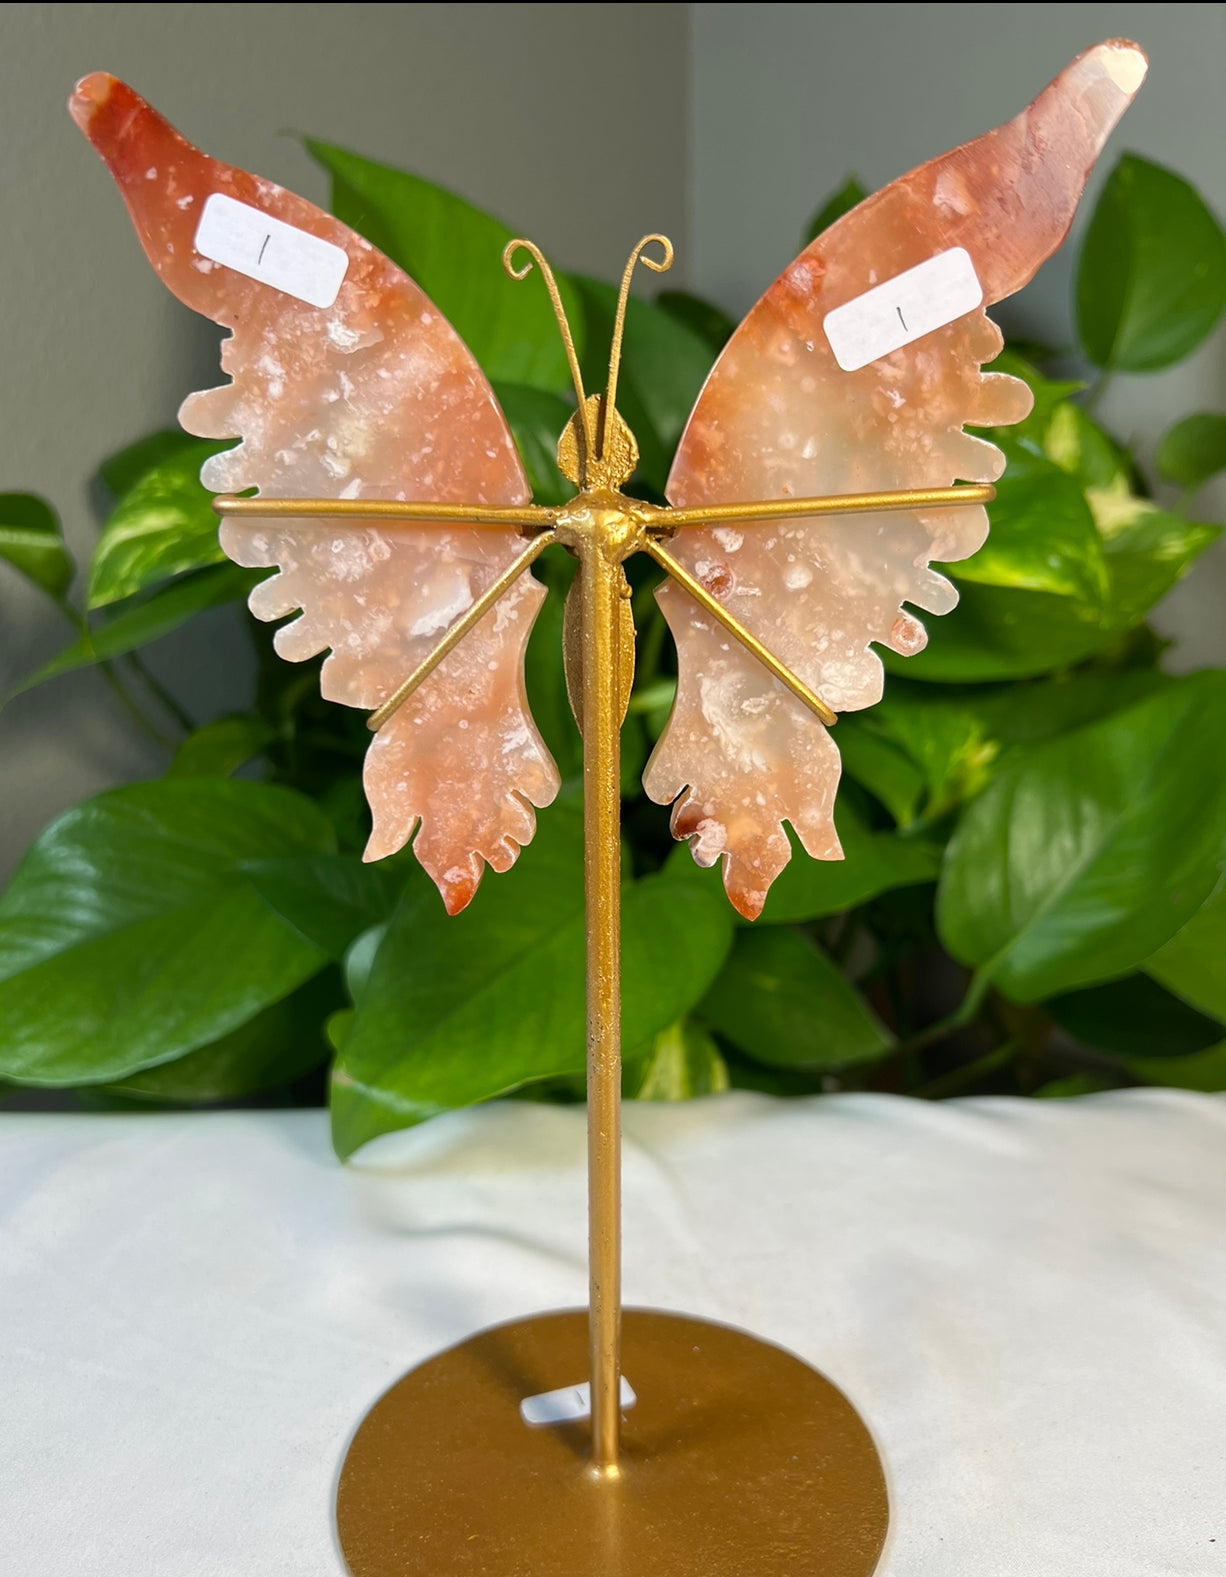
(535, 255)
(639, 255)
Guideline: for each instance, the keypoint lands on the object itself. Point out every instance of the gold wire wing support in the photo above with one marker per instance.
(460, 629)
(359, 510)
(831, 504)
(736, 629)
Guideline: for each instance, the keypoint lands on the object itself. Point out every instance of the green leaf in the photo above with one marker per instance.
(1043, 536)
(1193, 450)
(1072, 1085)
(1193, 962)
(454, 252)
(1204, 1070)
(330, 899)
(536, 418)
(873, 863)
(780, 1000)
(1134, 1017)
(836, 205)
(149, 620)
(664, 365)
(163, 526)
(1081, 860)
(880, 765)
(31, 541)
(1079, 446)
(999, 632)
(1049, 397)
(132, 933)
(220, 748)
(934, 748)
(278, 1045)
(546, 684)
(1151, 279)
(682, 1061)
(460, 1010)
(711, 323)
(124, 469)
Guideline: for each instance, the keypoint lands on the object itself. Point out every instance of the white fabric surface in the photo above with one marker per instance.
(1024, 1299)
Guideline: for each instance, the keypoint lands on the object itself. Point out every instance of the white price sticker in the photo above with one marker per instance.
(905, 308)
(568, 1404)
(270, 251)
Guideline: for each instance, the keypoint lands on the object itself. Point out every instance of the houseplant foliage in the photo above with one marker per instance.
(1034, 817)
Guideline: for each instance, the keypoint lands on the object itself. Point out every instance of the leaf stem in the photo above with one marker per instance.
(958, 1078)
(162, 694)
(1096, 391)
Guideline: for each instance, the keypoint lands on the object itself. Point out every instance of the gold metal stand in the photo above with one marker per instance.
(737, 1458)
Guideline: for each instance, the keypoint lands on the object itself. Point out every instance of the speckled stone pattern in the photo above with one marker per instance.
(779, 418)
(373, 397)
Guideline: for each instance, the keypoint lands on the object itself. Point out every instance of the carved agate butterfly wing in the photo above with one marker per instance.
(347, 383)
(856, 372)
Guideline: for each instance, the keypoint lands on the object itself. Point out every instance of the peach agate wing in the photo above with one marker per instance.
(780, 417)
(346, 382)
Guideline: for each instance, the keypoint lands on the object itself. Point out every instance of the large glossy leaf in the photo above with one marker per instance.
(682, 1061)
(1203, 1070)
(330, 899)
(834, 207)
(664, 365)
(711, 323)
(999, 632)
(1043, 536)
(1077, 444)
(220, 748)
(275, 1047)
(457, 1011)
(1050, 396)
(1135, 1016)
(930, 748)
(1193, 450)
(31, 541)
(1193, 962)
(149, 620)
(1081, 860)
(163, 526)
(454, 252)
(807, 889)
(537, 418)
(780, 1000)
(873, 863)
(546, 683)
(125, 468)
(132, 932)
(1151, 279)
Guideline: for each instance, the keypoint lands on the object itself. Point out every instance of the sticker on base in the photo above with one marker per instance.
(566, 1405)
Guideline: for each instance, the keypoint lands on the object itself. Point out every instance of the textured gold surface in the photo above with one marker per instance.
(738, 1460)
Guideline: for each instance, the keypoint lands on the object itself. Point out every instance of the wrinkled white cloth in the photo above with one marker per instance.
(1025, 1299)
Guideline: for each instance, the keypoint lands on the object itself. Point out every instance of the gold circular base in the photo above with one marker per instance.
(737, 1459)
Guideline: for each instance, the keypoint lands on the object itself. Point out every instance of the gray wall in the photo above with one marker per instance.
(500, 102)
(789, 99)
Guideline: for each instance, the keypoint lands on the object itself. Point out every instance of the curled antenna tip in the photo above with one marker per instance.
(665, 262)
(508, 257)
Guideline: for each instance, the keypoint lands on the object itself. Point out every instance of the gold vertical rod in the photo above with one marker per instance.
(601, 588)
